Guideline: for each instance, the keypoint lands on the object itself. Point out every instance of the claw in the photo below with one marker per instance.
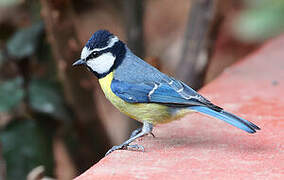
(136, 147)
(114, 148)
(152, 134)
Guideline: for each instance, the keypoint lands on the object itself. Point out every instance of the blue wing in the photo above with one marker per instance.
(174, 93)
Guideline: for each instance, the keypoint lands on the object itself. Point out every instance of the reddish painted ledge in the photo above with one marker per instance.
(198, 147)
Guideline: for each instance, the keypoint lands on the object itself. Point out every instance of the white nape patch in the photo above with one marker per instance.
(101, 64)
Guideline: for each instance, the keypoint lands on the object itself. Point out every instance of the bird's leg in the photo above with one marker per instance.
(137, 131)
(146, 129)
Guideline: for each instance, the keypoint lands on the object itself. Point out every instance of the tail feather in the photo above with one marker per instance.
(229, 118)
(243, 120)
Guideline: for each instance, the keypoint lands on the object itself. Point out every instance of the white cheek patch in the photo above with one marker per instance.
(102, 64)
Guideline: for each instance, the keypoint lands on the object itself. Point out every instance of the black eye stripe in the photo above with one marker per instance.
(93, 55)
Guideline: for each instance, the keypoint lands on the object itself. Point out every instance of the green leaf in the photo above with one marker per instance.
(7, 3)
(24, 147)
(45, 97)
(11, 94)
(2, 57)
(260, 21)
(25, 41)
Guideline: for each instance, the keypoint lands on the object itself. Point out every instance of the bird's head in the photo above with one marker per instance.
(102, 53)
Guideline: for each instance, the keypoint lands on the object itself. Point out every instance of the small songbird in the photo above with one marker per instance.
(142, 92)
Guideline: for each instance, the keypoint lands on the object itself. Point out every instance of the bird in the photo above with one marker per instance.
(142, 92)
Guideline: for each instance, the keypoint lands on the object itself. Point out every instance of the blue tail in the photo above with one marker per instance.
(229, 118)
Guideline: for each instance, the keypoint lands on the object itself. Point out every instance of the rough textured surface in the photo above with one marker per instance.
(201, 147)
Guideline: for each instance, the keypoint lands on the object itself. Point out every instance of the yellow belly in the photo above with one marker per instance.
(150, 112)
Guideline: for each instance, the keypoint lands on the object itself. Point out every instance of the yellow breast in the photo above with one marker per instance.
(150, 112)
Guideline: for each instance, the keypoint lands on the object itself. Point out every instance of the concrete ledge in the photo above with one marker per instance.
(199, 147)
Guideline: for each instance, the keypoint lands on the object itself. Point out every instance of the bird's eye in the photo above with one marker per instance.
(93, 55)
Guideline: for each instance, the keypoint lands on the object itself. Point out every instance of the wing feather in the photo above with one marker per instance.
(171, 92)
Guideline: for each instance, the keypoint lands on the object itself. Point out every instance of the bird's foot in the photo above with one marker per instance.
(147, 129)
(137, 131)
(135, 147)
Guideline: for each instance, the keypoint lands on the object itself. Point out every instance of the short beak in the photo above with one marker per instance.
(79, 62)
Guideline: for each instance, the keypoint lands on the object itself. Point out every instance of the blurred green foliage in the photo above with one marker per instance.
(45, 97)
(11, 94)
(33, 109)
(25, 41)
(259, 21)
(26, 146)
(26, 139)
(7, 3)
(2, 58)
